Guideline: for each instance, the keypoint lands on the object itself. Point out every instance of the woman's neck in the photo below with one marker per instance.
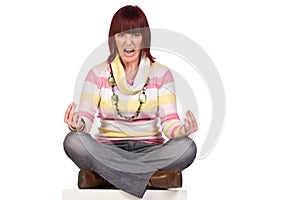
(131, 66)
(130, 69)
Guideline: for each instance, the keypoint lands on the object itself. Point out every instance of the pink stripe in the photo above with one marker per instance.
(121, 120)
(153, 83)
(159, 81)
(100, 115)
(99, 81)
(172, 131)
(91, 77)
(112, 113)
(167, 108)
(171, 116)
(156, 82)
(153, 86)
(151, 141)
(102, 81)
(87, 115)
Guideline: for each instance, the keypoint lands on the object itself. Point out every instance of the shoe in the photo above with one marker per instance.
(159, 180)
(91, 180)
(166, 179)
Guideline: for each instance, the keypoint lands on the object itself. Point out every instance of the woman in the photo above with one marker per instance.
(134, 97)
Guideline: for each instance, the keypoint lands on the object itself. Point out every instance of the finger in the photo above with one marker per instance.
(79, 122)
(73, 109)
(189, 118)
(195, 124)
(67, 113)
(193, 121)
(71, 116)
(75, 121)
(191, 115)
(182, 130)
(186, 124)
(186, 128)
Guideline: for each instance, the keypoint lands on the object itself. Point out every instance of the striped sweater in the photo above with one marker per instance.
(158, 115)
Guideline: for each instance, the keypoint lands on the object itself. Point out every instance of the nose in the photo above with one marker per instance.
(128, 39)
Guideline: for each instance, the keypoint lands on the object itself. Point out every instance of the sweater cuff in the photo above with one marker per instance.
(177, 132)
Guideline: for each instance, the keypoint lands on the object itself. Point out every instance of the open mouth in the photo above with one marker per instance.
(128, 51)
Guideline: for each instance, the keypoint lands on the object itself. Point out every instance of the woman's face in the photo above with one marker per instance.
(129, 46)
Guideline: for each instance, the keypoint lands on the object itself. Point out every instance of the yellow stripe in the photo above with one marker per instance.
(176, 132)
(132, 105)
(170, 124)
(157, 64)
(101, 65)
(167, 99)
(90, 97)
(129, 106)
(110, 133)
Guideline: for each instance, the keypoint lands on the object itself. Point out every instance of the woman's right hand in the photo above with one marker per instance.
(72, 118)
(190, 124)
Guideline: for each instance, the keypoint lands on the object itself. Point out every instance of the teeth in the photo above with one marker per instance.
(128, 50)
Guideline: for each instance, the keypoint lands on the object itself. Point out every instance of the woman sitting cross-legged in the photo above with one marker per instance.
(134, 98)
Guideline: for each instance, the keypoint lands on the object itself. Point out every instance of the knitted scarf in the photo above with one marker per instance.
(140, 78)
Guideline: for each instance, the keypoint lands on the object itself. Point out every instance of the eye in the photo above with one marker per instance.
(120, 35)
(137, 35)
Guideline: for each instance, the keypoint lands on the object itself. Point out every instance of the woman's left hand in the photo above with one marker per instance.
(190, 124)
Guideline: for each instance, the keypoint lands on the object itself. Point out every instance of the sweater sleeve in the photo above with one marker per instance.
(89, 99)
(170, 121)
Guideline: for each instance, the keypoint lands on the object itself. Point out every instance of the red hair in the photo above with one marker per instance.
(129, 19)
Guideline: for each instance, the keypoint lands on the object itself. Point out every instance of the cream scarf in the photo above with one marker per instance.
(140, 78)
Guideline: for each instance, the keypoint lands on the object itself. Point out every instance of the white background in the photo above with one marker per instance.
(255, 46)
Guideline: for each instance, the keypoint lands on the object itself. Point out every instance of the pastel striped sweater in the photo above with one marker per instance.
(158, 115)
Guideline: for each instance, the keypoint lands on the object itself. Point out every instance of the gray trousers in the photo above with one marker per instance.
(129, 164)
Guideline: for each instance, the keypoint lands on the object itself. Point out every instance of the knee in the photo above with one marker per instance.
(188, 150)
(73, 143)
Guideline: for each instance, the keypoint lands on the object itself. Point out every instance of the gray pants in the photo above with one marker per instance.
(129, 164)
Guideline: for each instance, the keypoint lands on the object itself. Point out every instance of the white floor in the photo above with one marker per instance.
(113, 194)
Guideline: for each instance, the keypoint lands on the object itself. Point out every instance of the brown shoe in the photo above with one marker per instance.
(166, 179)
(91, 180)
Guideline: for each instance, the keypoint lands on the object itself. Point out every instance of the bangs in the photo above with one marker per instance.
(129, 22)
